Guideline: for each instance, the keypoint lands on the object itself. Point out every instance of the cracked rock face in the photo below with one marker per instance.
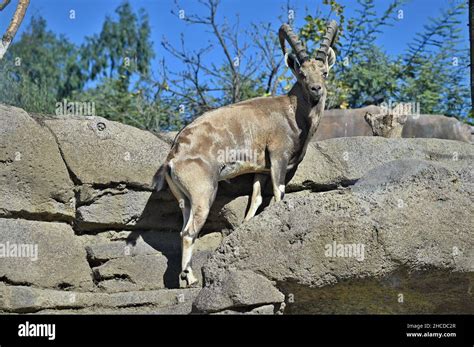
(238, 289)
(410, 213)
(57, 261)
(99, 151)
(34, 181)
(79, 189)
(351, 122)
(342, 161)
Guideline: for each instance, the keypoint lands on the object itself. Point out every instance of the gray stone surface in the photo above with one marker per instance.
(437, 126)
(144, 260)
(79, 189)
(352, 122)
(61, 258)
(340, 161)
(34, 181)
(117, 153)
(409, 213)
(141, 272)
(143, 210)
(235, 289)
(28, 299)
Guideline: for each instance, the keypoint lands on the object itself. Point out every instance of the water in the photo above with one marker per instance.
(428, 292)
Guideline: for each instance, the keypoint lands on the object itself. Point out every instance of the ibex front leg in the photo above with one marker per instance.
(279, 163)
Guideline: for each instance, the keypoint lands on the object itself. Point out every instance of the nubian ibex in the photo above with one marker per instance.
(265, 136)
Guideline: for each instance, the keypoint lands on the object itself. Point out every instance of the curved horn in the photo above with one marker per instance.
(285, 33)
(327, 41)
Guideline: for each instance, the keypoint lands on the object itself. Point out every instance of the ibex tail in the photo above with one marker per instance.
(159, 178)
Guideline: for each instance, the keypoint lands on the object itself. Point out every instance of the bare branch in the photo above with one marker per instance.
(4, 4)
(14, 25)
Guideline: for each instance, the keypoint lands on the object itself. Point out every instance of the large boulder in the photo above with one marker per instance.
(140, 260)
(22, 299)
(411, 214)
(126, 208)
(360, 122)
(344, 123)
(42, 254)
(82, 231)
(103, 152)
(34, 180)
(437, 126)
(238, 289)
(342, 161)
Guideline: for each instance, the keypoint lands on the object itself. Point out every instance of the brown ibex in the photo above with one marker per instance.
(266, 135)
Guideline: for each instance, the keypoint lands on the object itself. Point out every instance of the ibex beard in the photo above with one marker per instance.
(275, 130)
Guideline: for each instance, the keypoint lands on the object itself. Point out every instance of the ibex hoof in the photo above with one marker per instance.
(187, 280)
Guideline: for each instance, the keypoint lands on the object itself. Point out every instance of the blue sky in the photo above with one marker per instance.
(90, 15)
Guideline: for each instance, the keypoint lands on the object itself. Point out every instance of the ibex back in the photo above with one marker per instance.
(266, 136)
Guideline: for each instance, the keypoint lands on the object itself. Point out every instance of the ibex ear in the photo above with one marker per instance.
(331, 58)
(292, 63)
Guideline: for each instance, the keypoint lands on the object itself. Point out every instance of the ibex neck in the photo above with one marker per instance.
(311, 112)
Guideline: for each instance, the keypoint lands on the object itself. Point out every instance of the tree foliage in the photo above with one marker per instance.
(39, 69)
(113, 68)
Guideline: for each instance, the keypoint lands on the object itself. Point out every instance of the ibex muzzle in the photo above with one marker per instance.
(267, 136)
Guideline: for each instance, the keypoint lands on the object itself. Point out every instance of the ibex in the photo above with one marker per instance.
(265, 136)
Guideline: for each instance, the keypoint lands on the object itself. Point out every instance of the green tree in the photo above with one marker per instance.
(118, 65)
(432, 71)
(39, 69)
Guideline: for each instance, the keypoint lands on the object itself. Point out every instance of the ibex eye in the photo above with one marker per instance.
(325, 75)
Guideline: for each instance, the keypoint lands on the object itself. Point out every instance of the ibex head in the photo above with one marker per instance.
(311, 72)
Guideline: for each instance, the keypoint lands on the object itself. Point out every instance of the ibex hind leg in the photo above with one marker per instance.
(185, 206)
(199, 211)
(183, 201)
(200, 197)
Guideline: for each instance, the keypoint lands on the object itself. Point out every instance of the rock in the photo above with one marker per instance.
(437, 126)
(386, 124)
(406, 214)
(142, 272)
(237, 289)
(79, 189)
(131, 244)
(110, 152)
(145, 260)
(60, 256)
(265, 309)
(27, 299)
(167, 136)
(129, 209)
(34, 181)
(227, 212)
(352, 122)
(342, 161)
(344, 123)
